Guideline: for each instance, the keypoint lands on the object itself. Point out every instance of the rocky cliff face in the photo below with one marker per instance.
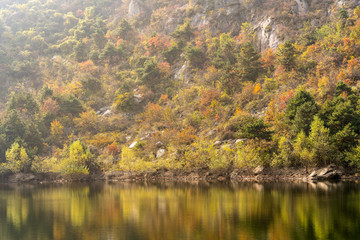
(273, 20)
(134, 8)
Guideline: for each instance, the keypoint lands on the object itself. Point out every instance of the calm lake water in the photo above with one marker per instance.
(180, 211)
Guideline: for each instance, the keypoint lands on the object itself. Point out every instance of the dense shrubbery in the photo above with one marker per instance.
(109, 93)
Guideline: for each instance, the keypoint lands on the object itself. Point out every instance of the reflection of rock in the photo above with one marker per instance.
(259, 187)
(327, 173)
(323, 186)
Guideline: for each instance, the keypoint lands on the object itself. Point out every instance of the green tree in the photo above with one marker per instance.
(125, 102)
(149, 73)
(17, 159)
(183, 34)
(254, 128)
(195, 56)
(222, 51)
(23, 102)
(80, 52)
(125, 30)
(171, 54)
(287, 55)
(320, 142)
(13, 127)
(79, 159)
(71, 104)
(249, 64)
(302, 150)
(300, 111)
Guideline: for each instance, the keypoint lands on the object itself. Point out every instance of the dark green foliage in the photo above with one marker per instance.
(80, 52)
(125, 102)
(46, 92)
(171, 54)
(23, 102)
(249, 127)
(249, 64)
(71, 104)
(149, 72)
(341, 87)
(308, 35)
(33, 141)
(301, 111)
(304, 116)
(92, 85)
(13, 127)
(230, 81)
(287, 55)
(195, 56)
(254, 128)
(112, 53)
(183, 34)
(223, 52)
(343, 13)
(124, 30)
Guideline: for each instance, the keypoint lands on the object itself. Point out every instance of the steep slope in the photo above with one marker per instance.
(133, 85)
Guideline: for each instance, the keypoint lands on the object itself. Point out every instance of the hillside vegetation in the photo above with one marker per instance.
(91, 86)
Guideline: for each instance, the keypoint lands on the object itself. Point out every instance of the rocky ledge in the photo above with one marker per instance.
(258, 174)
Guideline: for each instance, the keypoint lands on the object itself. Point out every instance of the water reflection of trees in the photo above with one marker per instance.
(128, 211)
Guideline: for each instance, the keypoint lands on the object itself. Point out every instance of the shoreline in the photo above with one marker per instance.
(259, 174)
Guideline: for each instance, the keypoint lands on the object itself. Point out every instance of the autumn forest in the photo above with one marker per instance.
(93, 86)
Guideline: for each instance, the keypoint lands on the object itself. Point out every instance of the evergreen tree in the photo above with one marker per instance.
(287, 55)
(249, 64)
(300, 111)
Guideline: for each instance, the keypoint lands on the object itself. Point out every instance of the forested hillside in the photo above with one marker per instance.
(89, 86)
